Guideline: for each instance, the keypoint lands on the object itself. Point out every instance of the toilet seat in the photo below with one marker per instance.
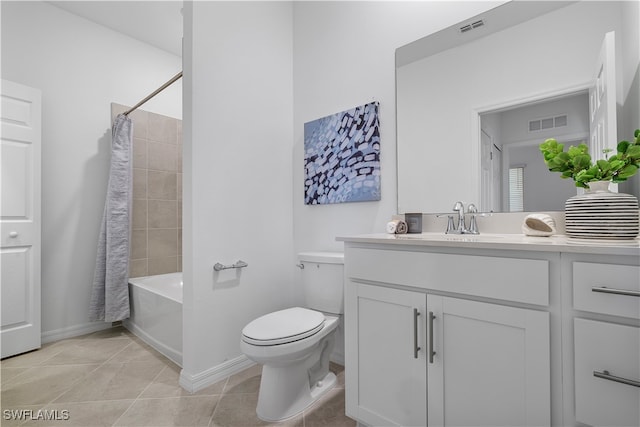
(284, 326)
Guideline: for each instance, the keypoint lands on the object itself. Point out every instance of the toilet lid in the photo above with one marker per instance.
(284, 326)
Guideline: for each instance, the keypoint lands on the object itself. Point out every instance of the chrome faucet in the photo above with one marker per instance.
(459, 207)
(462, 226)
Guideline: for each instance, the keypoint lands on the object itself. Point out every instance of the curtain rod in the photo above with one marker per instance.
(157, 91)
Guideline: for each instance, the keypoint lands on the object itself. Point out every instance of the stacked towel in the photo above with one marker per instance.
(397, 226)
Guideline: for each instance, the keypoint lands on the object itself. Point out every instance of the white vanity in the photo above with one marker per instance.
(491, 330)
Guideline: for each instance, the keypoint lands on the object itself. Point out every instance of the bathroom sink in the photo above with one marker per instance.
(473, 237)
(452, 237)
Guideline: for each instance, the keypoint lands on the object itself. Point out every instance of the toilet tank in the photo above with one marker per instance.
(323, 280)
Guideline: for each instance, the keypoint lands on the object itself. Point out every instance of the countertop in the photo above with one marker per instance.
(556, 243)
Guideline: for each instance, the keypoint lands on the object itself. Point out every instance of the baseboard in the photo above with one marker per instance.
(73, 331)
(194, 383)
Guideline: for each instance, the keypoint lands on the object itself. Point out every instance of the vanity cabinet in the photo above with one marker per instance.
(606, 308)
(431, 340)
(509, 330)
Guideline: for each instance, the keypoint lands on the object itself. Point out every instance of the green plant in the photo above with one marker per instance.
(576, 162)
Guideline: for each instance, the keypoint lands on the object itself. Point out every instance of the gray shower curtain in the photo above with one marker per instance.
(110, 291)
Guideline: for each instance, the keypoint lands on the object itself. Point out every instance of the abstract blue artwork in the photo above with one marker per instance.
(342, 157)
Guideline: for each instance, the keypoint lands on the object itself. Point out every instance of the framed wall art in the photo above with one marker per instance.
(342, 157)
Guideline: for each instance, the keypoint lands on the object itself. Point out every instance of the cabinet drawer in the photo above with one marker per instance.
(599, 347)
(596, 288)
(510, 279)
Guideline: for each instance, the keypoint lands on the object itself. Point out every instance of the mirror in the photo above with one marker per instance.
(513, 175)
(527, 65)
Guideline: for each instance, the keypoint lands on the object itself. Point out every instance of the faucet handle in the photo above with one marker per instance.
(473, 226)
(451, 227)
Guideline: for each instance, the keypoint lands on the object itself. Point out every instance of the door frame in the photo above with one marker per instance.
(21, 231)
(476, 131)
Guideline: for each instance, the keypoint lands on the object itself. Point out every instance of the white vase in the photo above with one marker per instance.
(602, 214)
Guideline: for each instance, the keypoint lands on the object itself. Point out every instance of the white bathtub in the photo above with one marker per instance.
(156, 313)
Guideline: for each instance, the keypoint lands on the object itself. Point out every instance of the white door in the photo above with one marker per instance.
(602, 101)
(496, 177)
(491, 364)
(390, 387)
(488, 190)
(20, 218)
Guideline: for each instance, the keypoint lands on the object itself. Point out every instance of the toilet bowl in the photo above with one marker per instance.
(295, 370)
(294, 345)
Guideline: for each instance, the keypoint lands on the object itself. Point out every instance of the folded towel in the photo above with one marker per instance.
(397, 226)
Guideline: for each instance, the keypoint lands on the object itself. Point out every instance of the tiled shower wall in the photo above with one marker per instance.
(156, 241)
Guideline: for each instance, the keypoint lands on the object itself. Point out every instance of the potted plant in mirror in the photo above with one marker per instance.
(598, 213)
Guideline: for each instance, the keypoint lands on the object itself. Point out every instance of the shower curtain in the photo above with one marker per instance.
(110, 291)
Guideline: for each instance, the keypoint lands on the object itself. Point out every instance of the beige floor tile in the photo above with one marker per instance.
(130, 384)
(8, 374)
(35, 357)
(167, 385)
(236, 410)
(116, 332)
(87, 351)
(114, 381)
(42, 384)
(84, 414)
(137, 351)
(338, 370)
(173, 411)
(247, 381)
(328, 411)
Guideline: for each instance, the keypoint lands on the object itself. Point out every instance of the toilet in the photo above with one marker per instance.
(294, 344)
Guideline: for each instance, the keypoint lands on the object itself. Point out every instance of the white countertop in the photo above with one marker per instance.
(557, 243)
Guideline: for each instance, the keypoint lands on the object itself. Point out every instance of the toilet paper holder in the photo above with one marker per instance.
(239, 264)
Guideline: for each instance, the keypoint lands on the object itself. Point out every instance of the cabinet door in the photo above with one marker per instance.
(491, 365)
(607, 373)
(387, 384)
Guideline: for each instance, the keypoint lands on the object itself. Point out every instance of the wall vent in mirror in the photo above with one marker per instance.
(547, 123)
(471, 26)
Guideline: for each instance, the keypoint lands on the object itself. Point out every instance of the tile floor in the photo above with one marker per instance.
(111, 378)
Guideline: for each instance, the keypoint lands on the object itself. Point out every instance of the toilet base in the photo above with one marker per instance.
(294, 375)
(275, 405)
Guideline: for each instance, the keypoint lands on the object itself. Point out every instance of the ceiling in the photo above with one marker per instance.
(158, 23)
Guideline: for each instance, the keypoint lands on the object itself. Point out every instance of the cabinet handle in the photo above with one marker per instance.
(431, 352)
(416, 349)
(605, 290)
(607, 376)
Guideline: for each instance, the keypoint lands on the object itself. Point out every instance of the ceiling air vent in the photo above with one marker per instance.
(471, 26)
(547, 123)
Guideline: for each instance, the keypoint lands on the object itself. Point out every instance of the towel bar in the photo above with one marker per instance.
(239, 264)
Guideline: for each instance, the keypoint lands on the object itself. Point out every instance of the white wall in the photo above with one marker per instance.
(240, 62)
(238, 109)
(81, 68)
(344, 56)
